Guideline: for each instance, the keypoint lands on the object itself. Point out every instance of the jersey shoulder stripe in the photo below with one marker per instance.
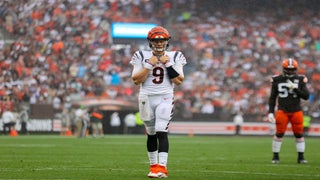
(141, 54)
(175, 56)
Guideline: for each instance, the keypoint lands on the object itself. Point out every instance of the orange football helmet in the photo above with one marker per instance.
(289, 67)
(156, 35)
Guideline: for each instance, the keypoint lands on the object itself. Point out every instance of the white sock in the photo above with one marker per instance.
(300, 145)
(163, 159)
(276, 144)
(153, 157)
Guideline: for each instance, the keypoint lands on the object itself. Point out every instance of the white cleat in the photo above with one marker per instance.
(153, 175)
(162, 175)
(275, 161)
(302, 161)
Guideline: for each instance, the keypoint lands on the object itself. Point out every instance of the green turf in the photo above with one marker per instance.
(124, 157)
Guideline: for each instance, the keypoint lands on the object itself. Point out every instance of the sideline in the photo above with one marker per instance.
(192, 128)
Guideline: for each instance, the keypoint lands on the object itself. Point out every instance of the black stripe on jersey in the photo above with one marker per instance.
(171, 114)
(141, 54)
(175, 56)
(136, 55)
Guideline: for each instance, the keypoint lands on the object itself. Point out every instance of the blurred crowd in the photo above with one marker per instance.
(62, 50)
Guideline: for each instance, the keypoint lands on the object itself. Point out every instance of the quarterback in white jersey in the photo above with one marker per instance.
(157, 72)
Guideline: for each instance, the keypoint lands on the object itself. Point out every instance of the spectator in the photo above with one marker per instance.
(115, 123)
(130, 123)
(207, 107)
(96, 118)
(82, 120)
(306, 123)
(24, 119)
(66, 117)
(238, 121)
(8, 121)
(228, 58)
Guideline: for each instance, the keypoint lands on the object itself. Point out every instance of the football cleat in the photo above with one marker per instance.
(162, 172)
(275, 159)
(153, 171)
(302, 161)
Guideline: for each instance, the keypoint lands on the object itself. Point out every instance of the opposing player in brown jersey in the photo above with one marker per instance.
(286, 92)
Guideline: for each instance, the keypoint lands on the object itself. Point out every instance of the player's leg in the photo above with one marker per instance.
(297, 128)
(281, 127)
(94, 129)
(84, 128)
(148, 117)
(152, 148)
(100, 129)
(163, 154)
(163, 117)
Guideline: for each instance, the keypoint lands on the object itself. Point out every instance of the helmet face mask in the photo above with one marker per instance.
(158, 38)
(159, 45)
(289, 67)
(289, 72)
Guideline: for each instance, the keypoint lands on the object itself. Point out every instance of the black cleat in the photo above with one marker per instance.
(275, 159)
(301, 159)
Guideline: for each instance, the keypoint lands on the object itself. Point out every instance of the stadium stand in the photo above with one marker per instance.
(62, 51)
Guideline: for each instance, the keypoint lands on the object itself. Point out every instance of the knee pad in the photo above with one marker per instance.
(164, 111)
(144, 108)
(163, 116)
(150, 130)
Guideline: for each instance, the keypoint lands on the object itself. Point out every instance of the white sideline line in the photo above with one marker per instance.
(27, 145)
(260, 173)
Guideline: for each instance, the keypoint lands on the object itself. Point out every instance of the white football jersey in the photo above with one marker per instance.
(158, 81)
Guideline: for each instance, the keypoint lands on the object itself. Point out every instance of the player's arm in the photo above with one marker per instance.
(139, 76)
(141, 71)
(179, 79)
(302, 91)
(272, 102)
(273, 96)
(175, 71)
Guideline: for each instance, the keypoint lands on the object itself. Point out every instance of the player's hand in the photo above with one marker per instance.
(271, 118)
(291, 85)
(153, 60)
(165, 59)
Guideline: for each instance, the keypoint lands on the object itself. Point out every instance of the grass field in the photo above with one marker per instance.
(124, 157)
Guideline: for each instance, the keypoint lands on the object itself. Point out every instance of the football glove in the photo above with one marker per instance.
(291, 85)
(271, 118)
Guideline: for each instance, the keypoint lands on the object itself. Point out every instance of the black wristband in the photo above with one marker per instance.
(172, 73)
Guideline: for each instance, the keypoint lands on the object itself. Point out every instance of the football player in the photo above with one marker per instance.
(157, 72)
(287, 91)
